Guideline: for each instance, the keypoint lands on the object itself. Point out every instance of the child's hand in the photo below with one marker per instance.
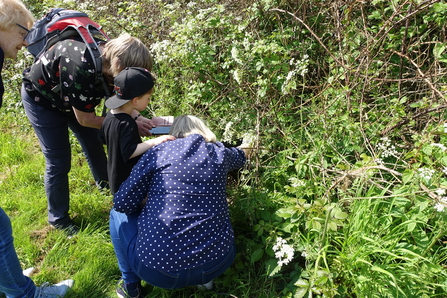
(162, 139)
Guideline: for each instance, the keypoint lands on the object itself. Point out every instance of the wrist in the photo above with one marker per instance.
(136, 117)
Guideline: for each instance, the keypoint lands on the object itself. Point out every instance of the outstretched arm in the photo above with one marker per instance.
(146, 145)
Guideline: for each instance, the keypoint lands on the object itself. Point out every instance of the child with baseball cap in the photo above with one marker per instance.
(119, 131)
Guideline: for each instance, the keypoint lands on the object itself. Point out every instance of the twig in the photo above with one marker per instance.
(311, 32)
(406, 120)
(421, 74)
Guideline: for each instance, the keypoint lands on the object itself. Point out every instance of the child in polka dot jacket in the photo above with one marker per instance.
(183, 235)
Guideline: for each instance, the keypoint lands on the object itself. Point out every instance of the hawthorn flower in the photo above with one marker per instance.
(283, 251)
(378, 161)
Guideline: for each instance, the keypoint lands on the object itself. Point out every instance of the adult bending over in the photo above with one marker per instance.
(15, 19)
(69, 66)
(182, 236)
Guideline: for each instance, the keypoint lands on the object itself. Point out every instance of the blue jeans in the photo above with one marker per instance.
(51, 128)
(124, 231)
(12, 281)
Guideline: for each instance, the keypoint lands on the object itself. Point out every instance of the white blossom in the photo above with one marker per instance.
(283, 251)
(386, 148)
(426, 173)
(228, 132)
(439, 207)
(440, 191)
(443, 148)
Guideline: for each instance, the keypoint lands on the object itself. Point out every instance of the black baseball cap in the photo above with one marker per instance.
(130, 83)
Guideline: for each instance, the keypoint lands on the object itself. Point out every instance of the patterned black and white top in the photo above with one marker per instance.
(65, 77)
(185, 222)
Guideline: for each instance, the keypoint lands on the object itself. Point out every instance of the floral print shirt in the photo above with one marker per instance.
(64, 78)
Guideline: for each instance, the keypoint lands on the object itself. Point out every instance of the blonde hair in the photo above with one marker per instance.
(126, 51)
(14, 12)
(186, 125)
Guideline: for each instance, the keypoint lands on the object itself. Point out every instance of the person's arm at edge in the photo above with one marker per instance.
(88, 119)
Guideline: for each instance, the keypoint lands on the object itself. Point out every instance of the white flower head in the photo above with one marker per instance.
(439, 207)
(386, 148)
(283, 251)
(426, 173)
(440, 191)
(443, 148)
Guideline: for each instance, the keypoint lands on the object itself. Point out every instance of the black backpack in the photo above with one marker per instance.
(59, 24)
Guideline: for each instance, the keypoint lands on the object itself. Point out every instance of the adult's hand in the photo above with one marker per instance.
(144, 125)
(88, 119)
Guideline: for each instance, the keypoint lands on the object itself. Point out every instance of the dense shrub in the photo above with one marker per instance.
(344, 104)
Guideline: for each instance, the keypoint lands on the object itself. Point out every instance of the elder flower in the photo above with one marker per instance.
(283, 251)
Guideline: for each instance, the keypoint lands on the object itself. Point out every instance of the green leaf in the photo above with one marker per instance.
(411, 226)
(438, 49)
(272, 267)
(302, 283)
(338, 214)
(285, 212)
(407, 176)
(300, 293)
(257, 255)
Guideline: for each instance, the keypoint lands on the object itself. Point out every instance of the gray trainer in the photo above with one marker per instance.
(53, 291)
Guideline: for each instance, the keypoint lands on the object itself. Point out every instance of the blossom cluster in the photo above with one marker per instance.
(440, 206)
(386, 148)
(228, 133)
(426, 173)
(299, 67)
(160, 50)
(441, 146)
(283, 251)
